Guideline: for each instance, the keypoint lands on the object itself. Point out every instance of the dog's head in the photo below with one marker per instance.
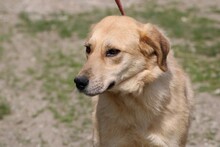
(122, 55)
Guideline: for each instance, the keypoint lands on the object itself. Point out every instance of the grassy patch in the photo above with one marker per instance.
(65, 25)
(1, 52)
(208, 50)
(8, 74)
(204, 70)
(56, 74)
(66, 117)
(215, 9)
(169, 18)
(38, 113)
(210, 135)
(4, 109)
(3, 37)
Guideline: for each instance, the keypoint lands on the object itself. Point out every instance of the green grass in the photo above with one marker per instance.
(55, 81)
(1, 52)
(65, 25)
(204, 70)
(210, 135)
(67, 117)
(4, 109)
(3, 37)
(38, 113)
(215, 9)
(8, 74)
(56, 74)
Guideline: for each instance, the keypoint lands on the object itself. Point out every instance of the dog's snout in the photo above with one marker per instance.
(81, 82)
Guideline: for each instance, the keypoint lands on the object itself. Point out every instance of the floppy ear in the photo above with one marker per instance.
(155, 39)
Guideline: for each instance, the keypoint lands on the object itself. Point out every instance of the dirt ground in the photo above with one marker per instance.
(29, 125)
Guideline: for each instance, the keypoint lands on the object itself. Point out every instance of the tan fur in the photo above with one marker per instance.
(150, 104)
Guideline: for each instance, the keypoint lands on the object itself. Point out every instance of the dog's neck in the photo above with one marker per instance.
(137, 84)
(140, 91)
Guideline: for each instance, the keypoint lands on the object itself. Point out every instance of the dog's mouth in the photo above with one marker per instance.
(97, 90)
(112, 84)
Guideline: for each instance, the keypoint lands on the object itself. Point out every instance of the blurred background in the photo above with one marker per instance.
(41, 51)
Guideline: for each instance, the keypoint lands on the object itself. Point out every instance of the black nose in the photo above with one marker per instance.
(81, 82)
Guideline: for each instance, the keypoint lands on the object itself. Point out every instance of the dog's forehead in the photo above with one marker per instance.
(117, 23)
(109, 20)
(114, 29)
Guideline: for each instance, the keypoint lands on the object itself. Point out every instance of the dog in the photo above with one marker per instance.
(143, 97)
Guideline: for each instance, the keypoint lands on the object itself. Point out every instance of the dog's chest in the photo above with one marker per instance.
(122, 110)
(117, 117)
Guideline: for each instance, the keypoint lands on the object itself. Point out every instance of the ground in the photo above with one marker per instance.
(41, 50)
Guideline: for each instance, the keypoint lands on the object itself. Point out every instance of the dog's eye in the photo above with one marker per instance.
(88, 49)
(112, 52)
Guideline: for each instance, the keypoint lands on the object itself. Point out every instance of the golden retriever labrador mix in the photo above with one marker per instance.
(144, 97)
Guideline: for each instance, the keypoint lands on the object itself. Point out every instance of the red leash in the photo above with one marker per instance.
(118, 2)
